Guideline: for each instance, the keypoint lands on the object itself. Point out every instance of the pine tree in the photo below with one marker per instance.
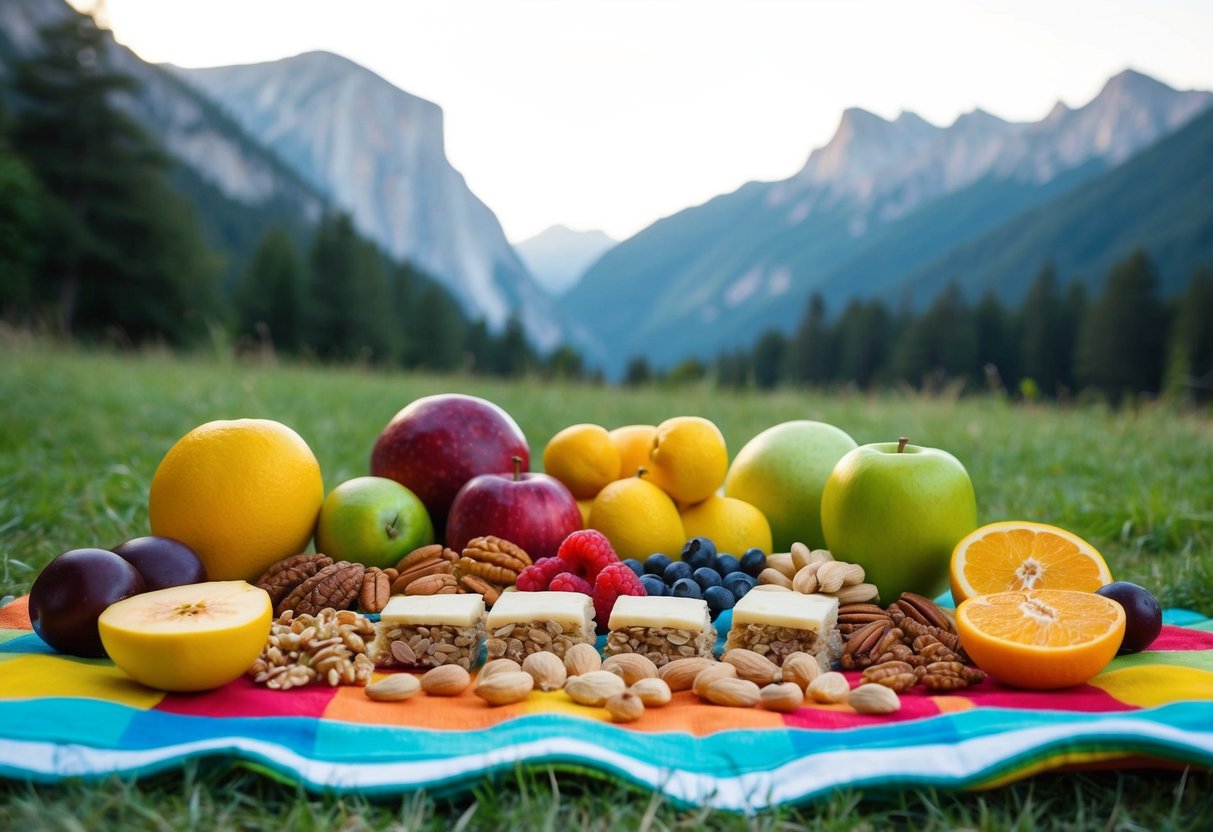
(768, 359)
(1044, 355)
(1190, 353)
(996, 348)
(272, 293)
(638, 372)
(809, 359)
(350, 300)
(122, 247)
(939, 344)
(864, 335)
(1120, 345)
(20, 236)
(514, 355)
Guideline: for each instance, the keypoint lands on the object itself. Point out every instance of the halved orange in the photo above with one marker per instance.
(1042, 639)
(1022, 555)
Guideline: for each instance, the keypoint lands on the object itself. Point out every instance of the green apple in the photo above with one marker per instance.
(373, 521)
(898, 510)
(782, 471)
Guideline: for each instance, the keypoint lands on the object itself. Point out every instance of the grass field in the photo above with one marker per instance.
(81, 434)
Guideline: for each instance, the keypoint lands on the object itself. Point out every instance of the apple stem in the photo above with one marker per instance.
(901, 444)
(641, 471)
(517, 460)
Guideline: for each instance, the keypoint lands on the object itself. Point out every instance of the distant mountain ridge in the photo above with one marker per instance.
(379, 153)
(558, 256)
(878, 201)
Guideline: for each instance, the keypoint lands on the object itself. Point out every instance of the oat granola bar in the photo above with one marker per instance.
(429, 631)
(661, 627)
(778, 623)
(522, 623)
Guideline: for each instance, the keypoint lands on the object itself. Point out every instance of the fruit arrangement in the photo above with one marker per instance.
(644, 534)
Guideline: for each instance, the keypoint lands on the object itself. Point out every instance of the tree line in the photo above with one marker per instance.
(95, 243)
(1060, 341)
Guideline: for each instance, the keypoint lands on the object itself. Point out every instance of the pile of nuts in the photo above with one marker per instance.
(329, 648)
(816, 572)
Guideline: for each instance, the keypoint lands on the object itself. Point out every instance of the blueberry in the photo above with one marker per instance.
(727, 564)
(676, 570)
(753, 562)
(705, 576)
(635, 565)
(699, 551)
(656, 564)
(719, 599)
(685, 588)
(653, 585)
(739, 583)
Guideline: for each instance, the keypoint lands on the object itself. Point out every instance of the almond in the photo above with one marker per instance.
(594, 688)
(680, 674)
(774, 577)
(829, 687)
(718, 670)
(631, 667)
(782, 562)
(753, 666)
(801, 668)
(785, 697)
(805, 581)
(735, 693)
(581, 659)
(652, 692)
(873, 698)
(498, 666)
(625, 707)
(801, 557)
(446, 680)
(857, 593)
(393, 688)
(546, 669)
(855, 575)
(505, 687)
(830, 576)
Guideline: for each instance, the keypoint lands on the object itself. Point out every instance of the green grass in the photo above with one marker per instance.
(81, 434)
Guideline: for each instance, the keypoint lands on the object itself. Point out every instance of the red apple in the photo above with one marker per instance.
(437, 443)
(534, 511)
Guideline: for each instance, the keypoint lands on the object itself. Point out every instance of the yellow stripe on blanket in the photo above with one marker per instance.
(33, 676)
(1153, 685)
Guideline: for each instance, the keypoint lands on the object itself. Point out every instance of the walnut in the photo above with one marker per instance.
(376, 590)
(898, 675)
(938, 676)
(336, 586)
(288, 573)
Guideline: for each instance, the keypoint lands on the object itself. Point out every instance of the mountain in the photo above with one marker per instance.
(239, 186)
(878, 201)
(379, 154)
(559, 256)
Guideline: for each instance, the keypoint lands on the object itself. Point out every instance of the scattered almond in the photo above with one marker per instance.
(595, 688)
(446, 680)
(774, 577)
(652, 692)
(829, 687)
(874, 698)
(734, 693)
(830, 576)
(855, 575)
(784, 697)
(631, 667)
(753, 666)
(625, 707)
(805, 580)
(581, 659)
(394, 688)
(680, 674)
(546, 669)
(505, 687)
(498, 666)
(782, 562)
(856, 593)
(801, 668)
(718, 670)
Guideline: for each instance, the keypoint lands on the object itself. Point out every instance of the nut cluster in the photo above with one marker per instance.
(815, 571)
(911, 641)
(487, 566)
(329, 647)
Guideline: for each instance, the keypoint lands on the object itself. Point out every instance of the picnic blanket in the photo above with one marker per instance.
(64, 717)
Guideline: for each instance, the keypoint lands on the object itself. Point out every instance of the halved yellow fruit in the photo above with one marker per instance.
(1023, 555)
(188, 638)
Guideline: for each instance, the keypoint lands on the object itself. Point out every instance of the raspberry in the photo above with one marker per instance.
(568, 582)
(589, 550)
(538, 576)
(614, 580)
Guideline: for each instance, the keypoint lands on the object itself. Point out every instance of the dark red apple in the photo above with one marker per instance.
(162, 561)
(534, 511)
(437, 443)
(72, 591)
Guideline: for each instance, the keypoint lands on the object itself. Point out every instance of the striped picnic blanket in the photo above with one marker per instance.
(66, 717)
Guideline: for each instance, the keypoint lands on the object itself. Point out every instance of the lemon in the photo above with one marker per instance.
(243, 494)
(634, 443)
(733, 525)
(689, 459)
(638, 518)
(583, 457)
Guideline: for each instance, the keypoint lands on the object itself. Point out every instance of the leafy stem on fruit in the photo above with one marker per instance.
(901, 444)
(517, 460)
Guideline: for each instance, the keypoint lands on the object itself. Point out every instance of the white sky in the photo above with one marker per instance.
(613, 113)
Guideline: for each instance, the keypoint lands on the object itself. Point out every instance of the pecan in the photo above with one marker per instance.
(498, 552)
(286, 574)
(431, 585)
(897, 675)
(475, 583)
(920, 609)
(489, 571)
(931, 648)
(859, 648)
(913, 629)
(942, 676)
(427, 560)
(853, 616)
(336, 585)
(376, 589)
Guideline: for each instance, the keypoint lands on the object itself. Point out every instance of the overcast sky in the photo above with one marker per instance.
(613, 113)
